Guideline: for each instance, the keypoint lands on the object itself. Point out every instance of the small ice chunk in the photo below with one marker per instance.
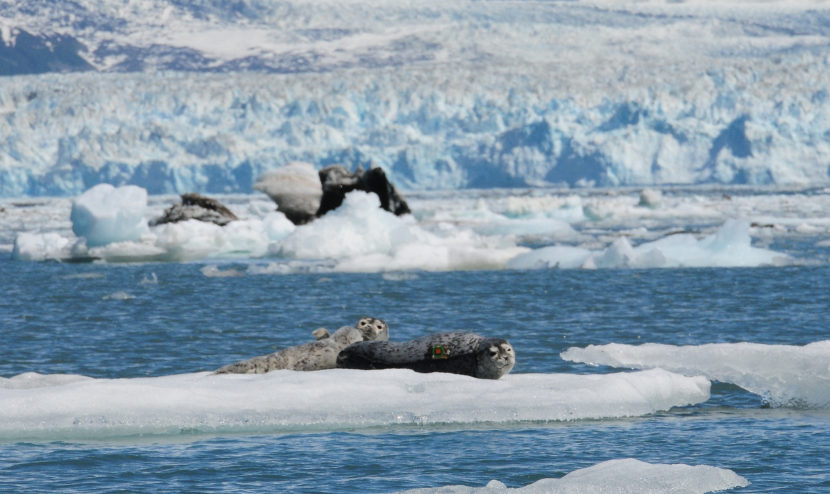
(621, 476)
(556, 256)
(105, 214)
(40, 246)
(650, 198)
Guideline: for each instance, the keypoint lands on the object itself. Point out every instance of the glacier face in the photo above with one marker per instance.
(204, 96)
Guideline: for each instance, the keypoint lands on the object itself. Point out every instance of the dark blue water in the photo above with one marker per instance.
(109, 321)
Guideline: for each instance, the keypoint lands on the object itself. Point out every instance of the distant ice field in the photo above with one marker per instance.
(450, 230)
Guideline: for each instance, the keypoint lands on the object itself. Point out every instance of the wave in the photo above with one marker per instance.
(783, 375)
(55, 407)
(622, 476)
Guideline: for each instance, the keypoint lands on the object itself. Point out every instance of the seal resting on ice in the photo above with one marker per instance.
(371, 328)
(196, 207)
(316, 355)
(456, 352)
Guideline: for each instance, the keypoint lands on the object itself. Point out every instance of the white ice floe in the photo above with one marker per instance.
(783, 375)
(80, 407)
(730, 246)
(623, 476)
(359, 236)
(31, 246)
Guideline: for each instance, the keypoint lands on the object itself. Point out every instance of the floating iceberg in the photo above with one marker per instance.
(624, 476)
(783, 375)
(105, 214)
(54, 407)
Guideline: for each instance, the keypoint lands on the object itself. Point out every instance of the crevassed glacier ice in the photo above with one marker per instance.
(471, 94)
(622, 476)
(784, 375)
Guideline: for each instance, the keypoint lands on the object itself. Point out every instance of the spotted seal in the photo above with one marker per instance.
(456, 352)
(371, 328)
(317, 355)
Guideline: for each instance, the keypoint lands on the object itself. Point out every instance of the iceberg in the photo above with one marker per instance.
(56, 407)
(105, 214)
(783, 375)
(30, 246)
(623, 476)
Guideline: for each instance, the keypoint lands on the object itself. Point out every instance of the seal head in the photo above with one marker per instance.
(373, 329)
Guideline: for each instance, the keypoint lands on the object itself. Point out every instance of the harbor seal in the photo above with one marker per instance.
(455, 352)
(320, 334)
(316, 355)
(371, 328)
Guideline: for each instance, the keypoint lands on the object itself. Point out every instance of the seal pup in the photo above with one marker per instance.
(317, 355)
(320, 334)
(371, 328)
(455, 352)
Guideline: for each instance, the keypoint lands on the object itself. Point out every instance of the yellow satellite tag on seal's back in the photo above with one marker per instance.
(440, 352)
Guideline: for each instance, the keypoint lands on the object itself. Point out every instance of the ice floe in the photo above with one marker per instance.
(622, 476)
(54, 407)
(783, 375)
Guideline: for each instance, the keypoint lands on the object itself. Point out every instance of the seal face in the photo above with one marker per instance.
(454, 352)
(317, 355)
(373, 329)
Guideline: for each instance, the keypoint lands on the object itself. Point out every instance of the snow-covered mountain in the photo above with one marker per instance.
(204, 95)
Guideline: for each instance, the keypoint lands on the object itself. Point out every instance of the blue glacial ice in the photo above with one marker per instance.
(462, 95)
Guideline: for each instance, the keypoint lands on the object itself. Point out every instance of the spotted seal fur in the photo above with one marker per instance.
(371, 328)
(316, 355)
(456, 352)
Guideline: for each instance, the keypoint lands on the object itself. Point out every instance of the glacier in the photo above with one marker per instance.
(205, 97)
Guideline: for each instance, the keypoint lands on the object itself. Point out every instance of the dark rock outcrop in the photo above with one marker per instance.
(196, 207)
(337, 181)
(303, 194)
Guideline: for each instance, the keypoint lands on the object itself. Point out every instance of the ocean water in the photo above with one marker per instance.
(122, 326)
